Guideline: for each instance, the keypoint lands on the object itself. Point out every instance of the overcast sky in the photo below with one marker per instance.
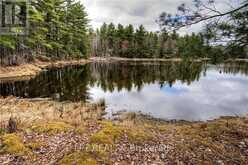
(135, 12)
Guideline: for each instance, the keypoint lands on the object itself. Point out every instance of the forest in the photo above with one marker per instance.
(127, 42)
(59, 30)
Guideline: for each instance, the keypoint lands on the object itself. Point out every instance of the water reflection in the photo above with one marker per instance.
(169, 90)
(137, 75)
(68, 83)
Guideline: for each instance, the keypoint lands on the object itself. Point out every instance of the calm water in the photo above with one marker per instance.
(182, 91)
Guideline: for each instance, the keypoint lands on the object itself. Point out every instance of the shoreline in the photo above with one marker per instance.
(236, 60)
(113, 59)
(15, 105)
(30, 70)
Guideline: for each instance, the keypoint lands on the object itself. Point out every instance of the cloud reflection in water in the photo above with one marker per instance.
(212, 96)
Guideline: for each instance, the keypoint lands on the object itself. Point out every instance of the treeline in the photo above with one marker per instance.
(57, 29)
(126, 41)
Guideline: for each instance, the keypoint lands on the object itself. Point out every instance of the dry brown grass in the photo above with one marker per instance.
(28, 112)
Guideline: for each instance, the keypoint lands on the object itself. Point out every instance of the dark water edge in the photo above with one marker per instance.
(166, 90)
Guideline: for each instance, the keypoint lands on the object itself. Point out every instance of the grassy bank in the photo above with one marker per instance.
(27, 71)
(50, 132)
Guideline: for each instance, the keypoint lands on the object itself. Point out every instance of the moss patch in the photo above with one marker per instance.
(78, 158)
(111, 132)
(52, 128)
(139, 135)
(108, 134)
(12, 144)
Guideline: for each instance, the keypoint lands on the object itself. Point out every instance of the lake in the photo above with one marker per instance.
(166, 90)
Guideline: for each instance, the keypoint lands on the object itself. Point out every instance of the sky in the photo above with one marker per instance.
(136, 12)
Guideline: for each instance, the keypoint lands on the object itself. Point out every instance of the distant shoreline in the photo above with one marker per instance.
(236, 60)
(30, 70)
(109, 59)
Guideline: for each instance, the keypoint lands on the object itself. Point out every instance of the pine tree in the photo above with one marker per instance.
(58, 29)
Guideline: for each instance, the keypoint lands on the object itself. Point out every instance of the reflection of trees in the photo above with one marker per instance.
(129, 75)
(235, 68)
(69, 83)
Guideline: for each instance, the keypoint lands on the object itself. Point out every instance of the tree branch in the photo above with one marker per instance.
(214, 16)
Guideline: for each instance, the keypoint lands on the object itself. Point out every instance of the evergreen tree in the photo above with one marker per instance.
(139, 43)
(58, 29)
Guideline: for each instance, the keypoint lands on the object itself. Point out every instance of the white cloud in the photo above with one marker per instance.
(135, 12)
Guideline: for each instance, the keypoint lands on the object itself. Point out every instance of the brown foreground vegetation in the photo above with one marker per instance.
(50, 132)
